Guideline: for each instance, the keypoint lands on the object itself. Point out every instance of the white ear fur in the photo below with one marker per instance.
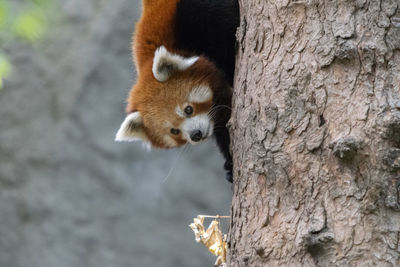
(131, 129)
(166, 63)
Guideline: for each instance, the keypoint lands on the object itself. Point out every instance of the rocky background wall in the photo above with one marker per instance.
(69, 195)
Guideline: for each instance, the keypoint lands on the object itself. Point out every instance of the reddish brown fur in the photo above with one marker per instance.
(153, 30)
(157, 101)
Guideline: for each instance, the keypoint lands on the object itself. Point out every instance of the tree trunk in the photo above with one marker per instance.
(316, 134)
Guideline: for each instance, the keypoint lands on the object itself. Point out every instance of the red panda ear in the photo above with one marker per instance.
(131, 129)
(166, 63)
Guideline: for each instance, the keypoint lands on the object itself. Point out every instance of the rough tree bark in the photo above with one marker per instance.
(316, 134)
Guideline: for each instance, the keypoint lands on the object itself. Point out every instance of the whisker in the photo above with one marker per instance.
(213, 111)
(221, 106)
(174, 164)
(189, 152)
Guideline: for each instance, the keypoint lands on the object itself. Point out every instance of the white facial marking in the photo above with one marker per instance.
(200, 122)
(180, 112)
(166, 63)
(200, 94)
(169, 141)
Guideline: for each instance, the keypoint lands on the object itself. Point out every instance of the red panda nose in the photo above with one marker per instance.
(196, 136)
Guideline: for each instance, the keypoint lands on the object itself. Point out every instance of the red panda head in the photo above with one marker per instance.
(171, 103)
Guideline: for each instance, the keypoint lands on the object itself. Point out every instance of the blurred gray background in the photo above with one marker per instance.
(69, 195)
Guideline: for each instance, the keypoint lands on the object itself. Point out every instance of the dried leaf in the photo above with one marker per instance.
(212, 238)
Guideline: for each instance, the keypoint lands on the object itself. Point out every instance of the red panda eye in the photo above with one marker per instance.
(189, 110)
(175, 131)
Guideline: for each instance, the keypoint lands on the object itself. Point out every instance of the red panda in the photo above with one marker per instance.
(184, 52)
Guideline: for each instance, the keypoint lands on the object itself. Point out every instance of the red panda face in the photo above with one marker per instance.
(171, 103)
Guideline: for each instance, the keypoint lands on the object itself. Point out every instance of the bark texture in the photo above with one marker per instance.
(316, 134)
